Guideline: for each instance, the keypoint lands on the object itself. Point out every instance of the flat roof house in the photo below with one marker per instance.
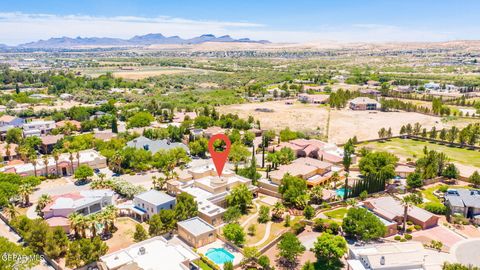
(151, 202)
(153, 254)
(8, 120)
(392, 210)
(313, 170)
(196, 232)
(464, 201)
(38, 128)
(364, 104)
(313, 148)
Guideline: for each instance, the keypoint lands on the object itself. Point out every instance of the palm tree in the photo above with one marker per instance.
(33, 160)
(334, 178)
(10, 211)
(56, 156)
(278, 210)
(75, 223)
(25, 191)
(7, 151)
(42, 202)
(45, 162)
(108, 216)
(92, 221)
(78, 159)
(71, 161)
(408, 201)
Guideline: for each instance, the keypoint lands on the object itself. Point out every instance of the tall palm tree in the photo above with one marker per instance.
(108, 216)
(92, 221)
(408, 201)
(25, 191)
(334, 178)
(7, 151)
(45, 162)
(74, 219)
(33, 160)
(56, 157)
(78, 159)
(42, 202)
(71, 161)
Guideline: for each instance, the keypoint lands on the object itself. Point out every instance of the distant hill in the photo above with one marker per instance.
(144, 40)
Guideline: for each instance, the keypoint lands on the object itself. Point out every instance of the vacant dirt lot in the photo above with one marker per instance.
(299, 116)
(139, 72)
(346, 123)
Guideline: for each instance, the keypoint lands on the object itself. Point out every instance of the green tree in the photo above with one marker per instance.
(263, 214)
(14, 135)
(294, 191)
(329, 249)
(241, 197)
(198, 147)
(408, 201)
(186, 207)
(289, 248)
(140, 233)
(451, 171)
(56, 243)
(381, 164)
(363, 225)
(457, 266)
(238, 153)
(232, 214)
(414, 180)
(83, 172)
(348, 152)
(234, 232)
(228, 266)
(475, 179)
(140, 119)
(8, 247)
(114, 125)
(309, 212)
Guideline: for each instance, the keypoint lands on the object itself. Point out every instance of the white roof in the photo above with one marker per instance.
(155, 197)
(196, 226)
(158, 255)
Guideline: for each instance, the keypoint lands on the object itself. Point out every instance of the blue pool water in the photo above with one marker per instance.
(340, 192)
(219, 255)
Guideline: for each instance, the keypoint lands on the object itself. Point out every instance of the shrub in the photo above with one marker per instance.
(443, 188)
(417, 227)
(436, 208)
(403, 240)
(333, 228)
(409, 230)
(408, 236)
(298, 228)
(397, 237)
(409, 223)
(319, 225)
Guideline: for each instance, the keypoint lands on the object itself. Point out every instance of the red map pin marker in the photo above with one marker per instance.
(219, 158)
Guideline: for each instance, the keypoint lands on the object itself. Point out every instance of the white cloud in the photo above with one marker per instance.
(17, 27)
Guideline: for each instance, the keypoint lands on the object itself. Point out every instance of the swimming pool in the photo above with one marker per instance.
(219, 255)
(340, 192)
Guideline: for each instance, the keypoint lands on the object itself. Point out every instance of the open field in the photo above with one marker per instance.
(406, 148)
(140, 72)
(299, 116)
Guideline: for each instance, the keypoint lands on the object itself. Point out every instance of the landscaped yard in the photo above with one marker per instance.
(123, 237)
(338, 213)
(413, 149)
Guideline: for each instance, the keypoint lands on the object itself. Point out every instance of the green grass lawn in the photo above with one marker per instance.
(428, 193)
(338, 213)
(414, 149)
(203, 265)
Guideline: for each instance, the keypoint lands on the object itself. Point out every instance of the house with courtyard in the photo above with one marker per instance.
(313, 99)
(364, 104)
(392, 210)
(465, 202)
(313, 148)
(314, 171)
(8, 120)
(8, 151)
(196, 232)
(155, 253)
(48, 143)
(209, 190)
(85, 202)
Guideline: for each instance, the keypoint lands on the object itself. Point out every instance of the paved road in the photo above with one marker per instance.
(468, 252)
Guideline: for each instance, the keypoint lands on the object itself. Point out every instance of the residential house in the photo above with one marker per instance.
(392, 210)
(49, 142)
(179, 117)
(364, 104)
(8, 151)
(38, 128)
(315, 171)
(394, 256)
(432, 86)
(155, 145)
(314, 99)
(74, 123)
(84, 202)
(66, 96)
(465, 202)
(155, 253)
(369, 91)
(8, 120)
(313, 148)
(196, 232)
(210, 131)
(404, 171)
(151, 202)
(66, 164)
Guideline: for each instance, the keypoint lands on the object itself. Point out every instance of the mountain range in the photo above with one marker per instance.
(143, 40)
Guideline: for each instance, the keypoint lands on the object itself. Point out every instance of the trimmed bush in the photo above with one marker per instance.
(409, 223)
(403, 240)
(298, 228)
(417, 227)
(436, 208)
(408, 236)
(397, 237)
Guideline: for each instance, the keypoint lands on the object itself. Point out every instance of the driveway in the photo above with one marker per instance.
(439, 233)
(467, 251)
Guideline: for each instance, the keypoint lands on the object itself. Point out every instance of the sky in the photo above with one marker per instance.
(292, 21)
